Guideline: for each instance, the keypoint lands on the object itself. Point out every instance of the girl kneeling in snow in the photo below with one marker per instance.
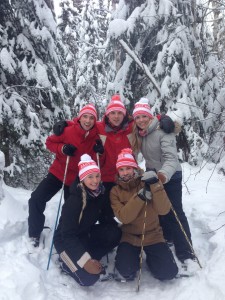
(137, 201)
(79, 241)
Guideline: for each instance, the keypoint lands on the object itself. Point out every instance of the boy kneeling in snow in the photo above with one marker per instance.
(131, 198)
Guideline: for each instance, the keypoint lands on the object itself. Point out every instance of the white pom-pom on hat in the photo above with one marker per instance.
(126, 159)
(87, 166)
(115, 105)
(142, 108)
(144, 100)
(85, 157)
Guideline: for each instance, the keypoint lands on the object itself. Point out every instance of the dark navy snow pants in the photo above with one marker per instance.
(47, 188)
(101, 239)
(159, 259)
(107, 215)
(170, 226)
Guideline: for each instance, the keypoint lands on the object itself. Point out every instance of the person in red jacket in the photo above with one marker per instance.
(115, 131)
(77, 139)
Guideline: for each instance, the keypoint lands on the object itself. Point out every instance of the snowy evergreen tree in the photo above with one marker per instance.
(2, 165)
(165, 37)
(213, 81)
(83, 27)
(33, 90)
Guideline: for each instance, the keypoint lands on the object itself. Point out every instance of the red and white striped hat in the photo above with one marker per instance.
(88, 109)
(126, 159)
(87, 166)
(115, 105)
(142, 108)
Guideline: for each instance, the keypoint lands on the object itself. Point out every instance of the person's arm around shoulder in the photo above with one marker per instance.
(55, 144)
(58, 127)
(168, 125)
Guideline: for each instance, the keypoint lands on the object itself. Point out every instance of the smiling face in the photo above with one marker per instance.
(142, 121)
(87, 121)
(126, 173)
(92, 180)
(116, 117)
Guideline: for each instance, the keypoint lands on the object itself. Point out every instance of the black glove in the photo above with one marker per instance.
(166, 124)
(69, 149)
(98, 147)
(149, 177)
(145, 194)
(59, 127)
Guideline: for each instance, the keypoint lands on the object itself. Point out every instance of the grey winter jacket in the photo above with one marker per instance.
(159, 150)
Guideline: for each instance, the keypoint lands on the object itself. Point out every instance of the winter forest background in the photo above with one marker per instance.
(52, 62)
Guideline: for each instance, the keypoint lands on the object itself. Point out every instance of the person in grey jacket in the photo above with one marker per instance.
(160, 153)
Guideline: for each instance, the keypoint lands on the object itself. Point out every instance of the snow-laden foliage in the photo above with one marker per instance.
(165, 37)
(2, 165)
(33, 88)
(83, 27)
(163, 50)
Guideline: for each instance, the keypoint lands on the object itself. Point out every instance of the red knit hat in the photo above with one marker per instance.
(115, 105)
(126, 159)
(142, 108)
(88, 109)
(87, 166)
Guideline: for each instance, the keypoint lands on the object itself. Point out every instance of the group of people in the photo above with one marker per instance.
(103, 181)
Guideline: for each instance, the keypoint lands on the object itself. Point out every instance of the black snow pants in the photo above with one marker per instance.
(159, 259)
(101, 239)
(47, 188)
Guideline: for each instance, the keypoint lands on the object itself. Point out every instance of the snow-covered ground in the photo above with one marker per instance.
(23, 276)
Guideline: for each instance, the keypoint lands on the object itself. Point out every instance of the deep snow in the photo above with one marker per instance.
(24, 276)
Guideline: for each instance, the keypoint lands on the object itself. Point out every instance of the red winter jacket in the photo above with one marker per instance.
(113, 142)
(75, 135)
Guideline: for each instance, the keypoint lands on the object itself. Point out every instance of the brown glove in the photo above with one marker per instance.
(93, 266)
(178, 127)
(162, 177)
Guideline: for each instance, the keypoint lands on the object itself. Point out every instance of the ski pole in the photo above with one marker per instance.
(142, 247)
(186, 237)
(57, 216)
(97, 155)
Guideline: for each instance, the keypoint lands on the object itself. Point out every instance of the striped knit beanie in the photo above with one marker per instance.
(87, 166)
(126, 159)
(88, 109)
(115, 105)
(142, 108)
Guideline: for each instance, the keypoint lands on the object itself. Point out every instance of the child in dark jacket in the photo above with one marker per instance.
(137, 202)
(79, 241)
